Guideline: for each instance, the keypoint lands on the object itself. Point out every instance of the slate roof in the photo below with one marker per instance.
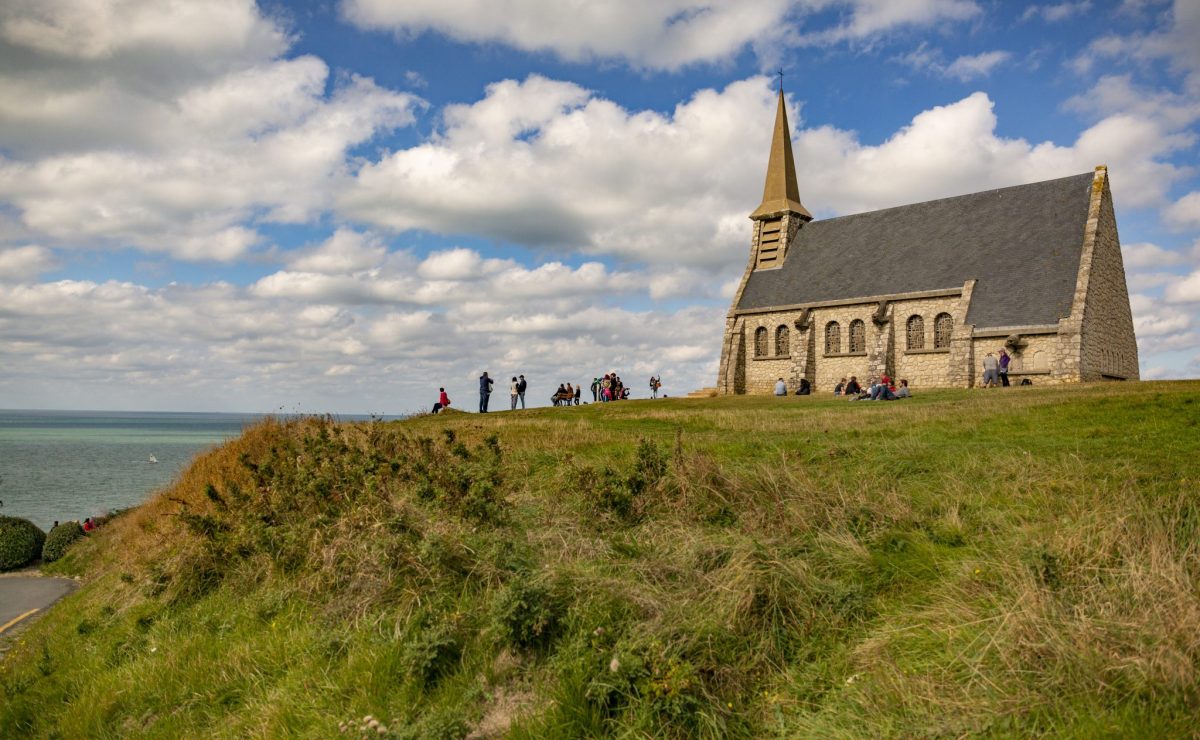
(1022, 244)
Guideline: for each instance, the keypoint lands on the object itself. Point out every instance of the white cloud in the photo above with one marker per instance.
(869, 18)
(20, 263)
(1176, 42)
(1185, 212)
(1186, 290)
(1144, 255)
(1119, 93)
(545, 163)
(964, 68)
(970, 67)
(666, 34)
(346, 251)
(102, 30)
(1056, 12)
(264, 141)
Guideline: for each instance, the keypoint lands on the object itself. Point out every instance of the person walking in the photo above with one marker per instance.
(521, 386)
(485, 391)
(1004, 360)
(513, 393)
(991, 366)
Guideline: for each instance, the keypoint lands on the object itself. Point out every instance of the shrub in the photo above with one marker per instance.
(20, 542)
(59, 539)
(526, 614)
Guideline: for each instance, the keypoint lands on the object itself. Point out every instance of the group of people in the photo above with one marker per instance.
(877, 389)
(566, 395)
(804, 389)
(995, 369)
(610, 387)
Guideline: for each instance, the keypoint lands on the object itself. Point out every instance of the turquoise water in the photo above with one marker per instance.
(75, 464)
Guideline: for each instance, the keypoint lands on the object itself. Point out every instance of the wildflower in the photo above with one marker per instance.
(614, 665)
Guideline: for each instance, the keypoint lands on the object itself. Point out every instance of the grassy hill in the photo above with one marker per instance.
(1018, 562)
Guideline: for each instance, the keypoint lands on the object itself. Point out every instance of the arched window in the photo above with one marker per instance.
(781, 340)
(858, 336)
(943, 325)
(760, 342)
(915, 334)
(833, 338)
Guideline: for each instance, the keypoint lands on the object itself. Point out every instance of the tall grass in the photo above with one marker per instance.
(1007, 563)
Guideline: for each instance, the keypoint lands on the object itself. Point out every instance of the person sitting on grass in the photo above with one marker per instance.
(841, 386)
(852, 388)
(902, 391)
(780, 388)
(442, 402)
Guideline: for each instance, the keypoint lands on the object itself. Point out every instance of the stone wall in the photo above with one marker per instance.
(885, 346)
(1108, 345)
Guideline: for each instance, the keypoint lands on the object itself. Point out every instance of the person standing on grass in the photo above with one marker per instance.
(485, 391)
(991, 366)
(513, 393)
(595, 390)
(521, 386)
(1004, 360)
(578, 390)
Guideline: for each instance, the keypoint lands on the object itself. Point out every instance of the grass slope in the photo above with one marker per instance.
(1020, 562)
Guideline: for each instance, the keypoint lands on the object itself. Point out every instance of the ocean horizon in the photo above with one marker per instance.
(62, 465)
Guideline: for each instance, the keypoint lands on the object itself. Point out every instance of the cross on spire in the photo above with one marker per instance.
(781, 79)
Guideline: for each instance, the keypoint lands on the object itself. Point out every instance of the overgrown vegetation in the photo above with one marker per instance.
(20, 542)
(59, 539)
(1022, 562)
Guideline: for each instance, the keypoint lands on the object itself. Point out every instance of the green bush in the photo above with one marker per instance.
(59, 539)
(526, 614)
(20, 542)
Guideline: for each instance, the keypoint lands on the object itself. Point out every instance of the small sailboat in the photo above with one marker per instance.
(153, 459)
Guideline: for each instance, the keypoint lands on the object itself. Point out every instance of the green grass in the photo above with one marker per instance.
(1004, 563)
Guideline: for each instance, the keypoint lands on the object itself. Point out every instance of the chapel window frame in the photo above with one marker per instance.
(782, 341)
(833, 338)
(943, 328)
(914, 332)
(760, 342)
(858, 336)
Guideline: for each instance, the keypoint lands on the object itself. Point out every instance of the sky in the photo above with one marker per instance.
(339, 206)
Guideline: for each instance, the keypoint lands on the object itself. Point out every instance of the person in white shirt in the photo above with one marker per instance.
(781, 388)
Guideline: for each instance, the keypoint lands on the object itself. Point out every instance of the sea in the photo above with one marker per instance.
(63, 465)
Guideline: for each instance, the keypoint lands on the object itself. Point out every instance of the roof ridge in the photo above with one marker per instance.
(952, 197)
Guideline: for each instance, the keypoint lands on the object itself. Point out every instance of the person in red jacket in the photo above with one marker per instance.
(443, 401)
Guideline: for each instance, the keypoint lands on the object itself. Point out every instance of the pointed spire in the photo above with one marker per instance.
(780, 194)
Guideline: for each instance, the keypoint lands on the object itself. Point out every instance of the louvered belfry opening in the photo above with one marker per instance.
(768, 242)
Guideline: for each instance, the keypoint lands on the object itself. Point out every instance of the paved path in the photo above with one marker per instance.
(24, 597)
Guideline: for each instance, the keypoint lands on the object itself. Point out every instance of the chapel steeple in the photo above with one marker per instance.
(780, 193)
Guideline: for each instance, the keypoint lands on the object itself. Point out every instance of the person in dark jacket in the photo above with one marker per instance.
(852, 388)
(521, 386)
(485, 392)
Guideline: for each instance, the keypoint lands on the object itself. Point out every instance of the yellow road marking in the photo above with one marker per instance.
(12, 622)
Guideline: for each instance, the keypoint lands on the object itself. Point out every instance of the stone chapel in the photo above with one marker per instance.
(924, 291)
